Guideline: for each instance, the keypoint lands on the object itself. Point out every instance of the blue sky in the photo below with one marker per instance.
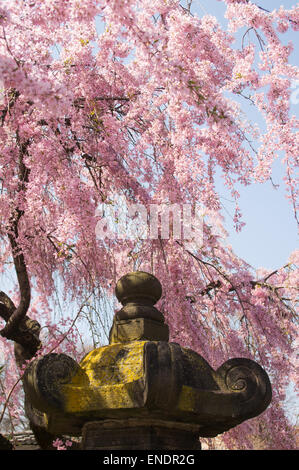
(270, 234)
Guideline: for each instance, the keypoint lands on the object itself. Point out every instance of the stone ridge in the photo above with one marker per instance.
(25, 440)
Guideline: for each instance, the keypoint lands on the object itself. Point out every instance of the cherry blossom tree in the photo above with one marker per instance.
(146, 108)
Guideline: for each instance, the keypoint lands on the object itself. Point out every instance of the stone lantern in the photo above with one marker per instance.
(142, 391)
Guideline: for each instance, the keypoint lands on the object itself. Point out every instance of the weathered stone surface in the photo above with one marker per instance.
(138, 286)
(138, 319)
(139, 434)
(125, 331)
(44, 378)
(158, 378)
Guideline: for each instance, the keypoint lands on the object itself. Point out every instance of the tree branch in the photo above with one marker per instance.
(11, 329)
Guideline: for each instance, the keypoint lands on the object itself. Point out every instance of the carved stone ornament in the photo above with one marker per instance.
(141, 391)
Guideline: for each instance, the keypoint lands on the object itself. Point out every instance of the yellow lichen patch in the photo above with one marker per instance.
(110, 378)
(114, 364)
(97, 399)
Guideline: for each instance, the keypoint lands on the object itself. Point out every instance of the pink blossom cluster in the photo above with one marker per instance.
(60, 445)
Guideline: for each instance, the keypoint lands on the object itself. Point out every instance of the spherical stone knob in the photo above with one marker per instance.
(138, 287)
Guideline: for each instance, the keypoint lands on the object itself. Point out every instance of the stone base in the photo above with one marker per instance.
(141, 434)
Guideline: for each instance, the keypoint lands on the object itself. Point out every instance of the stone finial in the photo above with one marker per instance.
(138, 287)
(138, 291)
